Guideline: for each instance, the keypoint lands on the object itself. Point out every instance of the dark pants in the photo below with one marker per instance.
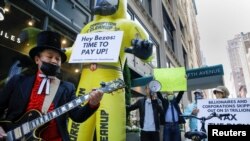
(171, 132)
(150, 136)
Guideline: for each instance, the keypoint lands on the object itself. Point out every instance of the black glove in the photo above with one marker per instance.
(142, 49)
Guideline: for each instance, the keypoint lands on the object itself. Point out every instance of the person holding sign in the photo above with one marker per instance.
(221, 92)
(26, 97)
(191, 109)
(171, 116)
(110, 16)
(150, 109)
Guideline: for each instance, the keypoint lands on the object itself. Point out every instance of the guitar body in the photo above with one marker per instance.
(14, 134)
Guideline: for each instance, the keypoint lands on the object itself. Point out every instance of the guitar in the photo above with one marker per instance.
(27, 128)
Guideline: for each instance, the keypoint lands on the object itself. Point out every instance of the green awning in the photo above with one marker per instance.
(142, 81)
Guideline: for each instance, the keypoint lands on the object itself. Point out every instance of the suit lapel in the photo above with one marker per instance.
(26, 86)
(58, 94)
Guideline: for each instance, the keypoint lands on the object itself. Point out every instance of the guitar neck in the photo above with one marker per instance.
(33, 124)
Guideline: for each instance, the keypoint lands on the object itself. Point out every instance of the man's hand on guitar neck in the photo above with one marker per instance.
(2, 133)
(95, 97)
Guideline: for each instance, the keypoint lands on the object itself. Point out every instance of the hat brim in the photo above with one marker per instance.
(217, 90)
(35, 50)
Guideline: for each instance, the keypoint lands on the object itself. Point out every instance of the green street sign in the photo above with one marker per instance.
(205, 72)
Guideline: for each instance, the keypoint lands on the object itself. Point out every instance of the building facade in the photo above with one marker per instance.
(172, 28)
(238, 51)
(171, 25)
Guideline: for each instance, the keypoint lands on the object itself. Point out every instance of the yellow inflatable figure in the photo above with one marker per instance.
(109, 121)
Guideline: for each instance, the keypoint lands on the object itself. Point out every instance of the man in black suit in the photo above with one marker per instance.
(172, 117)
(150, 109)
(26, 92)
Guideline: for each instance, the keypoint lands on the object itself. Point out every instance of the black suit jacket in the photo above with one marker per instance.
(176, 102)
(15, 97)
(140, 104)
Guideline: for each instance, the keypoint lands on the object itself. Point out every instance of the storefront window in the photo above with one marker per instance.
(11, 31)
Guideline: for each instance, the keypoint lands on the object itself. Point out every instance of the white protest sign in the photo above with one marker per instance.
(97, 47)
(238, 108)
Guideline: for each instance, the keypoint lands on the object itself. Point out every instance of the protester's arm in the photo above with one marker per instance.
(159, 105)
(159, 95)
(161, 112)
(179, 96)
(188, 110)
(160, 101)
(6, 93)
(133, 106)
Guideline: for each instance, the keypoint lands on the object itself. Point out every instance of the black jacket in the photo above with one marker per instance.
(15, 97)
(157, 110)
(176, 102)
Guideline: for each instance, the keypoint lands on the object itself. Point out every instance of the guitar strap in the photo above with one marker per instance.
(54, 85)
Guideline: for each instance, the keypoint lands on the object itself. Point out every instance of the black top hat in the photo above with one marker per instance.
(48, 40)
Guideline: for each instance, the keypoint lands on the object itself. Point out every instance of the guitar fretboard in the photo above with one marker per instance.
(33, 124)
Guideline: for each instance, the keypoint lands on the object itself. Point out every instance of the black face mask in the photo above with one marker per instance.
(50, 69)
(104, 11)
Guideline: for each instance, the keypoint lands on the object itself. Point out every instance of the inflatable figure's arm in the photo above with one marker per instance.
(142, 49)
(138, 40)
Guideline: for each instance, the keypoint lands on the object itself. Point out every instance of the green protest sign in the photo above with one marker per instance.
(171, 79)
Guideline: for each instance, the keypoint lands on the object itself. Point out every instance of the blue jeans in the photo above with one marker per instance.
(171, 132)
